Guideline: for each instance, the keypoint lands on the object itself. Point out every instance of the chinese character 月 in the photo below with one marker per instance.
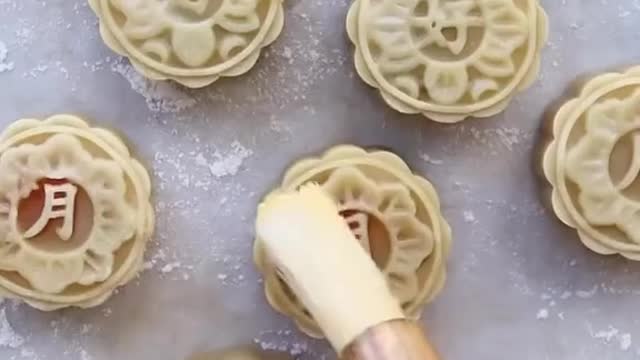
(59, 203)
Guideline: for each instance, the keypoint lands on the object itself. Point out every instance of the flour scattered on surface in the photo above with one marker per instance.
(158, 256)
(168, 264)
(8, 337)
(607, 335)
(587, 294)
(86, 328)
(106, 312)
(170, 267)
(625, 342)
(227, 164)
(613, 334)
(84, 355)
(5, 64)
(279, 126)
(283, 341)
(469, 217)
(28, 354)
(504, 137)
(565, 295)
(161, 96)
(25, 34)
(428, 159)
(543, 314)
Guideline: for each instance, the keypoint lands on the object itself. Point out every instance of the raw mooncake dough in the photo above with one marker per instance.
(593, 164)
(193, 42)
(394, 214)
(447, 59)
(75, 214)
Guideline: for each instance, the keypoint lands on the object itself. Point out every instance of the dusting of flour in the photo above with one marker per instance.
(225, 164)
(161, 96)
(613, 334)
(8, 337)
(5, 65)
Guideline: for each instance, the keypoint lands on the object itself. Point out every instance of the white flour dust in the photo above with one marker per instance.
(225, 164)
(469, 217)
(587, 294)
(506, 137)
(542, 314)
(161, 96)
(283, 341)
(8, 337)
(5, 64)
(170, 267)
(613, 334)
(166, 264)
(556, 299)
(428, 159)
(84, 355)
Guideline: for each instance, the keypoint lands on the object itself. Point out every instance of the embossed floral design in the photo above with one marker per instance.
(394, 214)
(602, 197)
(75, 214)
(446, 80)
(453, 57)
(593, 167)
(191, 41)
(411, 241)
(63, 157)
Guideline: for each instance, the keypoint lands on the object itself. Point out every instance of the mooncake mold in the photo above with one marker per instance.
(394, 214)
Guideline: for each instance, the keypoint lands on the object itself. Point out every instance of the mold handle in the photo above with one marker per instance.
(320, 259)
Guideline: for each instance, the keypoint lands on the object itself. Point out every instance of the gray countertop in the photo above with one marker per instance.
(521, 286)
